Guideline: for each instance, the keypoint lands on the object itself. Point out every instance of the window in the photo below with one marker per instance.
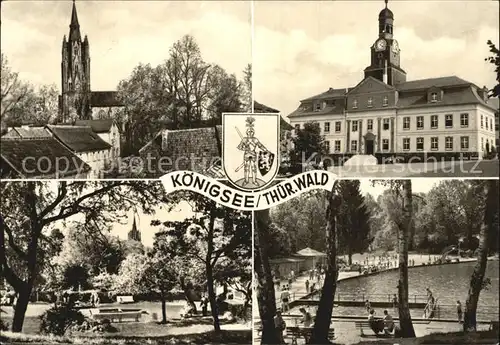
(448, 121)
(434, 97)
(327, 127)
(386, 124)
(338, 127)
(327, 146)
(354, 126)
(482, 124)
(420, 144)
(464, 143)
(464, 120)
(370, 125)
(448, 143)
(406, 144)
(385, 102)
(434, 143)
(337, 146)
(317, 106)
(491, 123)
(370, 102)
(354, 145)
(385, 144)
(406, 123)
(420, 122)
(482, 144)
(355, 104)
(434, 121)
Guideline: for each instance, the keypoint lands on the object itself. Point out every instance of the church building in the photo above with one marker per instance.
(386, 115)
(134, 234)
(77, 101)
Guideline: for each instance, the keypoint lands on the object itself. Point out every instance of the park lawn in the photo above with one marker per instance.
(452, 338)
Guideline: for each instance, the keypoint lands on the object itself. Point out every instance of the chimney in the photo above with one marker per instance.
(384, 78)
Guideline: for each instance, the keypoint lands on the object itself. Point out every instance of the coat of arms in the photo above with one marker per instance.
(251, 146)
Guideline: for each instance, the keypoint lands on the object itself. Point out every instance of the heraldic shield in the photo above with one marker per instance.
(250, 149)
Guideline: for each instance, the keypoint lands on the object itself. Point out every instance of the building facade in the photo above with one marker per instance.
(77, 101)
(386, 115)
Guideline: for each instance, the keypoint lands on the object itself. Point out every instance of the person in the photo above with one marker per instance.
(313, 287)
(376, 325)
(395, 301)
(280, 325)
(459, 311)
(292, 275)
(368, 306)
(285, 299)
(429, 293)
(307, 286)
(204, 305)
(388, 322)
(306, 317)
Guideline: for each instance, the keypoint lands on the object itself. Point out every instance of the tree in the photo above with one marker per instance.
(307, 143)
(402, 218)
(489, 226)
(353, 220)
(13, 90)
(213, 234)
(264, 283)
(225, 94)
(247, 88)
(30, 209)
(324, 314)
(495, 60)
(76, 277)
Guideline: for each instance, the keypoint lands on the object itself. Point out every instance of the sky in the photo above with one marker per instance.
(121, 35)
(305, 47)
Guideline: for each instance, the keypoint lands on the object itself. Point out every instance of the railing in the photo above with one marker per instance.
(377, 298)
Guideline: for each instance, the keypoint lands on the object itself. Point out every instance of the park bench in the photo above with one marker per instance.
(305, 332)
(118, 316)
(361, 325)
(125, 299)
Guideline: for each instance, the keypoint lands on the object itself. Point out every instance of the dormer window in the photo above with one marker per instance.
(434, 97)
(317, 106)
(355, 104)
(385, 101)
(323, 105)
(370, 102)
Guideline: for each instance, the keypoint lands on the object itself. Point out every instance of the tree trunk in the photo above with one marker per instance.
(209, 271)
(477, 278)
(266, 297)
(325, 308)
(188, 291)
(349, 256)
(20, 309)
(163, 309)
(405, 322)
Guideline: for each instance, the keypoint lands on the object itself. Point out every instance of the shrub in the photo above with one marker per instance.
(58, 319)
(4, 325)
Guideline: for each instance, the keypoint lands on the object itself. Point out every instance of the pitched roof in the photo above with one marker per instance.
(98, 126)
(40, 158)
(430, 82)
(105, 99)
(330, 93)
(28, 132)
(309, 252)
(79, 138)
(261, 108)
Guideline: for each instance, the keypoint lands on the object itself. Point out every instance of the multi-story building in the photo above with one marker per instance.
(386, 115)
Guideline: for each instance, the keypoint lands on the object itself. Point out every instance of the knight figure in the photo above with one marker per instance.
(251, 146)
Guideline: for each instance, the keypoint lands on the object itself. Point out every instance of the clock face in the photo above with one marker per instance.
(380, 45)
(395, 46)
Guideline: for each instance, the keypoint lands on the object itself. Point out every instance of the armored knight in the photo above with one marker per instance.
(250, 145)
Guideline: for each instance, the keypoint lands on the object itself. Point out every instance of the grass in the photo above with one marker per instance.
(211, 337)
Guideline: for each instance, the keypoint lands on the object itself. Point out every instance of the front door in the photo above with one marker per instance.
(369, 147)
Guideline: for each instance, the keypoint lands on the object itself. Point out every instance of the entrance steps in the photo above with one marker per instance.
(361, 160)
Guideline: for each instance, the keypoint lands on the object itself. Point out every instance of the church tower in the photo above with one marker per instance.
(134, 234)
(75, 74)
(385, 53)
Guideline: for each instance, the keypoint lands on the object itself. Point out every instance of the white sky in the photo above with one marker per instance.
(121, 35)
(304, 47)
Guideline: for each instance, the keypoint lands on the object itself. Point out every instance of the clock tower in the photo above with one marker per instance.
(385, 53)
(75, 72)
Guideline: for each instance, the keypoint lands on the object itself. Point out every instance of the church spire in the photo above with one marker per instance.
(134, 234)
(74, 27)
